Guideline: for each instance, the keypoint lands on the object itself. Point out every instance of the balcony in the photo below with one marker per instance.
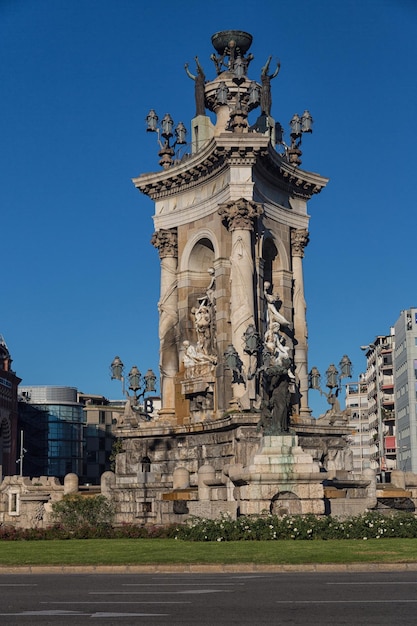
(390, 444)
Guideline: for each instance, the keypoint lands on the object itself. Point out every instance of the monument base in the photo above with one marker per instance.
(283, 479)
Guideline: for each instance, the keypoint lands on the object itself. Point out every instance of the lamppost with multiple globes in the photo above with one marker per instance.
(139, 387)
(165, 129)
(333, 379)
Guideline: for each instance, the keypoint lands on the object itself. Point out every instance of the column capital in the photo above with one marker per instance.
(239, 214)
(166, 241)
(299, 240)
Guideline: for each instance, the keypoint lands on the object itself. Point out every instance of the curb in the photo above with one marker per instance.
(196, 568)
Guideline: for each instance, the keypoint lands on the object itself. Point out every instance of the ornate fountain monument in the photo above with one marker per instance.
(234, 432)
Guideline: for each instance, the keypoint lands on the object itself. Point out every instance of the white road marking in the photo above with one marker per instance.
(159, 593)
(178, 584)
(120, 602)
(77, 614)
(390, 583)
(129, 614)
(18, 585)
(391, 601)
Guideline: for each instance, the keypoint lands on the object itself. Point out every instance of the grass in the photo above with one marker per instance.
(170, 551)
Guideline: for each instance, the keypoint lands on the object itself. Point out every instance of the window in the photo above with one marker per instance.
(14, 503)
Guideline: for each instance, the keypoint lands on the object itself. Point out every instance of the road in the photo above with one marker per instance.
(209, 599)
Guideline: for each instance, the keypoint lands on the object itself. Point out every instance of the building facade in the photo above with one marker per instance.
(362, 439)
(8, 413)
(406, 389)
(100, 415)
(52, 421)
(379, 378)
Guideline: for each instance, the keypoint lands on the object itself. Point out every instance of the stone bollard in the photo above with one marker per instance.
(107, 482)
(206, 472)
(70, 484)
(181, 478)
(369, 474)
(398, 478)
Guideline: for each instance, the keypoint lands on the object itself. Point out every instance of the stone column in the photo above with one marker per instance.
(239, 216)
(299, 240)
(166, 243)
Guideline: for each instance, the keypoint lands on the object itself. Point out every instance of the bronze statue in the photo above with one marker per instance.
(275, 411)
(266, 100)
(199, 81)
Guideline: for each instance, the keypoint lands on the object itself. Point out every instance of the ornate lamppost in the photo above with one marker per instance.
(165, 129)
(299, 126)
(333, 381)
(139, 387)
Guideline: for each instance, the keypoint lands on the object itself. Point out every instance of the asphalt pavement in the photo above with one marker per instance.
(183, 598)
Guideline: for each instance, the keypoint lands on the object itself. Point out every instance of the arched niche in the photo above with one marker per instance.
(199, 252)
(269, 254)
(201, 256)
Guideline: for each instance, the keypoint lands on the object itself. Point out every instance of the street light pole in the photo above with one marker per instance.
(22, 454)
(333, 379)
(135, 384)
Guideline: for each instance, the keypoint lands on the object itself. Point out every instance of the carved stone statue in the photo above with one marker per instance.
(193, 358)
(210, 291)
(273, 315)
(275, 343)
(202, 317)
(199, 81)
(266, 100)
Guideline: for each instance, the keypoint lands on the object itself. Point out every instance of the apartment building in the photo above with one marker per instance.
(405, 363)
(363, 438)
(379, 378)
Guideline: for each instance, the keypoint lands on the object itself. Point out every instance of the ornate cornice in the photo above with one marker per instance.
(192, 170)
(290, 178)
(231, 150)
(166, 241)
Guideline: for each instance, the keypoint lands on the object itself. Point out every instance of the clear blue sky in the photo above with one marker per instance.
(80, 280)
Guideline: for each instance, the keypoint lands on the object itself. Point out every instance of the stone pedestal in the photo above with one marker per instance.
(282, 479)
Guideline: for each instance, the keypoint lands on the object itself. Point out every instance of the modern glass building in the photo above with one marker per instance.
(52, 421)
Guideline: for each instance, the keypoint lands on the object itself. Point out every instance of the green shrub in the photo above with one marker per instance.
(81, 517)
(370, 525)
(82, 514)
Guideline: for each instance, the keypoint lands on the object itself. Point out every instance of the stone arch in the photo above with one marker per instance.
(200, 251)
(274, 246)
(201, 256)
(269, 254)
(285, 503)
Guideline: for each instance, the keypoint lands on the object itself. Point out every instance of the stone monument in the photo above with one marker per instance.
(234, 432)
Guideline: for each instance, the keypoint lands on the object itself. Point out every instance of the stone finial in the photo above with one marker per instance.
(166, 241)
(299, 240)
(239, 214)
